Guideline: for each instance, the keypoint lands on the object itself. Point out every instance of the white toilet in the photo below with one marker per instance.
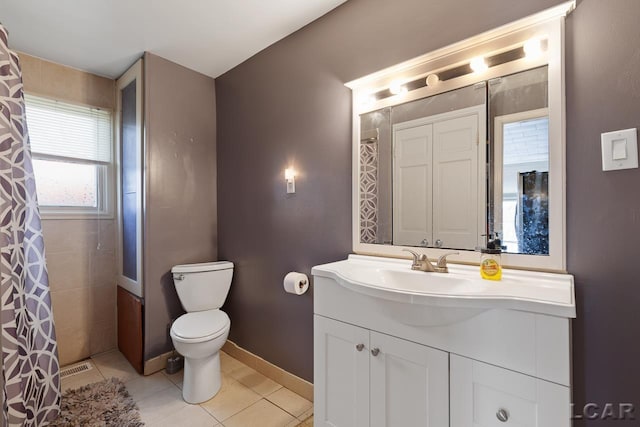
(199, 334)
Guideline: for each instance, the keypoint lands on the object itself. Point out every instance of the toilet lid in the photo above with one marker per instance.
(200, 324)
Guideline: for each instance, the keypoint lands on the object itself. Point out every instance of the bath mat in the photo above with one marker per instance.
(307, 423)
(105, 403)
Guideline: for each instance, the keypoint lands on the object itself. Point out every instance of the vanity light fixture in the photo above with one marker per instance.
(432, 80)
(290, 178)
(533, 48)
(396, 88)
(368, 100)
(478, 64)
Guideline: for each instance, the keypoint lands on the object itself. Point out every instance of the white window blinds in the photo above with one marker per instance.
(66, 130)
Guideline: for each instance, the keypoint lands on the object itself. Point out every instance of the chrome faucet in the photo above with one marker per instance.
(422, 263)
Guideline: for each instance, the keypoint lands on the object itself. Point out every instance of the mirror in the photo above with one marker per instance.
(423, 171)
(464, 143)
(423, 168)
(519, 141)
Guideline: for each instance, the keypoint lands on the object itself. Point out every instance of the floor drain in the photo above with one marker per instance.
(78, 368)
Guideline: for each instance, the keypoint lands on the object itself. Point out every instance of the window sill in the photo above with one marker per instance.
(47, 214)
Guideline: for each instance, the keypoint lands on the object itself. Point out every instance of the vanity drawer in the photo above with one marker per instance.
(484, 395)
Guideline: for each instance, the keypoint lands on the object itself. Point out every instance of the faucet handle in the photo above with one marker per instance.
(442, 261)
(416, 256)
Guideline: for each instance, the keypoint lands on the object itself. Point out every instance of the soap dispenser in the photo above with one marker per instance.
(490, 260)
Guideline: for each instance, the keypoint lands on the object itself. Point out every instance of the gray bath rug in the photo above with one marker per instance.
(101, 404)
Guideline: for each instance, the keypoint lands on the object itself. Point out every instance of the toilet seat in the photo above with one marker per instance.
(199, 326)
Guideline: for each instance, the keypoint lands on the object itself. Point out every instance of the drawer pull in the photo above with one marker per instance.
(375, 351)
(360, 347)
(502, 415)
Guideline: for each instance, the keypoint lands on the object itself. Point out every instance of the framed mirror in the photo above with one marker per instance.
(463, 144)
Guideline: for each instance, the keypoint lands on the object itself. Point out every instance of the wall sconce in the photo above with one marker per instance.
(290, 178)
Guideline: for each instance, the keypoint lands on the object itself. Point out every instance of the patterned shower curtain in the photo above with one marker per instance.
(30, 379)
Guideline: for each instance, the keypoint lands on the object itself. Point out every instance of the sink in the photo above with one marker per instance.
(431, 283)
(419, 298)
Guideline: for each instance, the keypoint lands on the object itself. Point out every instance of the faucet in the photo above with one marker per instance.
(422, 263)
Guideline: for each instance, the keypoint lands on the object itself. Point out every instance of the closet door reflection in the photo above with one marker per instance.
(422, 176)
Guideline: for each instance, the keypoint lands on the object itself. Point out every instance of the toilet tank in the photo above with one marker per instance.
(202, 286)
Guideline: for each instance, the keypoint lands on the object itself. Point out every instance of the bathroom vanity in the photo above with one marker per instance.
(450, 148)
(396, 347)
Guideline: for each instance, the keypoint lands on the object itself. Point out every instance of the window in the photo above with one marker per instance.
(72, 157)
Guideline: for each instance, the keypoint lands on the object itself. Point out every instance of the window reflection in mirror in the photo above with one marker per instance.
(520, 146)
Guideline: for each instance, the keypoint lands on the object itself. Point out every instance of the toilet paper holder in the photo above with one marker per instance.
(296, 283)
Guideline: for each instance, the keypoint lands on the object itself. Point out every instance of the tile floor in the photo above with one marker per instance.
(246, 399)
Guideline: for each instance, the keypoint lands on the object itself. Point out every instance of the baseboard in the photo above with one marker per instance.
(292, 382)
(157, 363)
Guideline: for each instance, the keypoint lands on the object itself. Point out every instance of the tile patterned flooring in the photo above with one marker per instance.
(246, 399)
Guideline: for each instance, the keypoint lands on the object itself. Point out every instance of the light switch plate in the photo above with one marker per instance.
(619, 150)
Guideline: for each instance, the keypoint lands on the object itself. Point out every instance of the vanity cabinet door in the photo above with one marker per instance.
(488, 396)
(341, 374)
(409, 383)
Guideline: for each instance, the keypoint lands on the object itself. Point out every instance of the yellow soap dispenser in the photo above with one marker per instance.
(490, 260)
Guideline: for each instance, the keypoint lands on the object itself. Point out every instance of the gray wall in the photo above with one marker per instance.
(289, 104)
(180, 215)
(603, 208)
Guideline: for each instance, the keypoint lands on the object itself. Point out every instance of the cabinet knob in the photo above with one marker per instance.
(502, 415)
(375, 351)
(359, 347)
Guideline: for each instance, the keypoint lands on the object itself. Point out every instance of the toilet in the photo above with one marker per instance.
(199, 334)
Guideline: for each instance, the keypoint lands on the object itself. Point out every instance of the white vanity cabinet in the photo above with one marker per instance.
(387, 355)
(483, 395)
(367, 378)
(341, 374)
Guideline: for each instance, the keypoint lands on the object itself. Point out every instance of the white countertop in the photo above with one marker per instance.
(393, 279)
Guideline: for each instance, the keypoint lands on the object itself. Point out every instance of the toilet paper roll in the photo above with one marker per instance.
(296, 283)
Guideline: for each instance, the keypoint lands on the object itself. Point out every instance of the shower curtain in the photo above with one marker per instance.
(30, 379)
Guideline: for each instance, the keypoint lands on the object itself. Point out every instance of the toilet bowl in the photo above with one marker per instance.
(199, 334)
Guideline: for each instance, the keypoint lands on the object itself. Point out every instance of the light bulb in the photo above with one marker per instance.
(478, 64)
(289, 174)
(367, 100)
(432, 80)
(532, 48)
(396, 87)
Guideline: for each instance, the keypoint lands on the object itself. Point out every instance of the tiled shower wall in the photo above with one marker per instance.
(81, 262)
(80, 252)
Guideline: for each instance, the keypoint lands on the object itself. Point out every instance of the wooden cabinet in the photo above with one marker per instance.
(130, 328)
(364, 378)
(483, 395)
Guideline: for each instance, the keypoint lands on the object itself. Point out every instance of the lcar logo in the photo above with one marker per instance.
(608, 411)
